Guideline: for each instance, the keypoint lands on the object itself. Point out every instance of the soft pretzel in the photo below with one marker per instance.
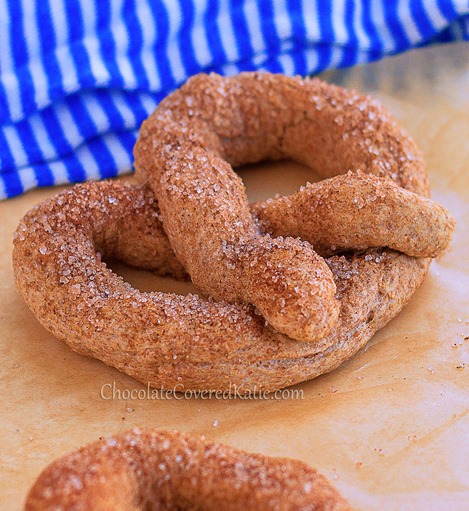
(183, 342)
(196, 343)
(158, 470)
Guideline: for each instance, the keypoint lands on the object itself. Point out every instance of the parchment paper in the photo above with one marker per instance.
(389, 428)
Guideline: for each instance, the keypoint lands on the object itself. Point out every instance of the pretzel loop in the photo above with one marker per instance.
(186, 148)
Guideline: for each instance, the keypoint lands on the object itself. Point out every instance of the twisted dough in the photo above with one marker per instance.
(186, 149)
(186, 341)
(157, 470)
(196, 343)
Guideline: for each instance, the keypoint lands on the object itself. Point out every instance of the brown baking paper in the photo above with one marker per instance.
(389, 427)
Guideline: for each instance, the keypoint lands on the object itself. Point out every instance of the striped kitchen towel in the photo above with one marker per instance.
(77, 77)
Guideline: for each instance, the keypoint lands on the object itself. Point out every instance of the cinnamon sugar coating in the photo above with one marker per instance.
(158, 470)
(256, 260)
(186, 149)
(186, 341)
(356, 211)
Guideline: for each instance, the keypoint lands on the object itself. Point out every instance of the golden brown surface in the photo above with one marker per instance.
(387, 427)
(160, 470)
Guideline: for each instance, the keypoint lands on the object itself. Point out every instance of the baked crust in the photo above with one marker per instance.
(168, 340)
(192, 342)
(186, 149)
(158, 470)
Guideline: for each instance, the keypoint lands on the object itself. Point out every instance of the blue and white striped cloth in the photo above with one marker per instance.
(77, 77)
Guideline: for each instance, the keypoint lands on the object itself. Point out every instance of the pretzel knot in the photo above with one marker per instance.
(295, 285)
(186, 148)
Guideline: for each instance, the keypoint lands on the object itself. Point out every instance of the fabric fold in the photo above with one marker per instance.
(76, 75)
